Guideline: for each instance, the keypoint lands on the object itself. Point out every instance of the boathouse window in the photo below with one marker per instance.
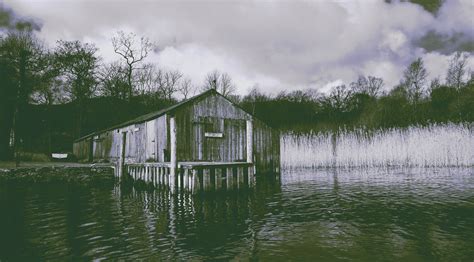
(213, 127)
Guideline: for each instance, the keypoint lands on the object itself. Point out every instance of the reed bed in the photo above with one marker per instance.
(437, 145)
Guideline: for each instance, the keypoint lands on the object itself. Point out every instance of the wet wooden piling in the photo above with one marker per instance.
(194, 177)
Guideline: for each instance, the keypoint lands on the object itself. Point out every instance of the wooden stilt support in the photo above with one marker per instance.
(206, 179)
(196, 182)
(186, 180)
(160, 176)
(180, 179)
(212, 180)
(230, 178)
(191, 180)
(240, 177)
(167, 177)
(173, 155)
(251, 176)
(218, 176)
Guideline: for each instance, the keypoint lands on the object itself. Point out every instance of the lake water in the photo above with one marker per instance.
(390, 215)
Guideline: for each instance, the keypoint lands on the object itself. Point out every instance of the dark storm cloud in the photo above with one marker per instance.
(277, 44)
(11, 20)
(446, 43)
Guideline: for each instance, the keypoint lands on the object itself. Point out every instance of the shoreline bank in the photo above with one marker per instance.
(58, 172)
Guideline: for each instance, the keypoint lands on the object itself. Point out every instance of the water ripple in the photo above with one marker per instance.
(330, 214)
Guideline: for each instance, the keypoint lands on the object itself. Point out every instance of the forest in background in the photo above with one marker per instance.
(51, 96)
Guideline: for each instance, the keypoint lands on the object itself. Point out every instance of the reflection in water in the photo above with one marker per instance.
(333, 214)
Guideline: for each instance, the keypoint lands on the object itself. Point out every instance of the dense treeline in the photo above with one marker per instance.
(50, 96)
(363, 104)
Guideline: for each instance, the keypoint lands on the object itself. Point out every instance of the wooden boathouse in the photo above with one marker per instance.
(204, 143)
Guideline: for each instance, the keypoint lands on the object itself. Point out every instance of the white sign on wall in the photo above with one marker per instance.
(216, 135)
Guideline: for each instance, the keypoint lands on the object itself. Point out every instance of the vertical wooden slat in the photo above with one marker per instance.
(218, 178)
(197, 178)
(250, 175)
(161, 176)
(240, 177)
(206, 179)
(185, 180)
(249, 140)
(212, 180)
(180, 178)
(230, 178)
(173, 154)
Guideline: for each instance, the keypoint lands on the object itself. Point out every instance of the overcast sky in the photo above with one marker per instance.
(277, 45)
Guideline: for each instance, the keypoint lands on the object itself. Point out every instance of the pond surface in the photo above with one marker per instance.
(394, 215)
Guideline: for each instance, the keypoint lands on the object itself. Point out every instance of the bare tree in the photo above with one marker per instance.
(457, 70)
(145, 79)
(133, 51)
(186, 88)
(227, 88)
(212, 80)
(170, 83)
(434, 84)
(370, 85)
(360, 85)
(222, 82)
(113, 81)
(339, 97)
(254, 96)
(375, 85)
(414, 79)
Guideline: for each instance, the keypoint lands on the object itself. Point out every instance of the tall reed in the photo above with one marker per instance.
(437, 145)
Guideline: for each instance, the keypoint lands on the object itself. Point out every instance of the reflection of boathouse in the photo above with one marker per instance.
(204, 142)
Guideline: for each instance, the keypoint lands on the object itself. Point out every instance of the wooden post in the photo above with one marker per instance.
(249, 141)
(121, 164)
(146, 174)
(218, 175)
(173, 152)
(240, 177)
(153, 175)
(148, 171)
(196, 183)
(180, 179)
(167, 177)
(250, 176)
(212, 179)
(185, 180)
(206, 176)
(160, 176)
(191, 180)
(230, 178)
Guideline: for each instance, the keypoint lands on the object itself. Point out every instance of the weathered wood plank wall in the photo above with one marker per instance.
(266, 147)
(149, 141)
(213, 114)
(81, 149)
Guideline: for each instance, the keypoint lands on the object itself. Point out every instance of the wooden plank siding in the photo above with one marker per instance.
(225, 123)
(81, 149)
(266, 147)
(213, 114)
